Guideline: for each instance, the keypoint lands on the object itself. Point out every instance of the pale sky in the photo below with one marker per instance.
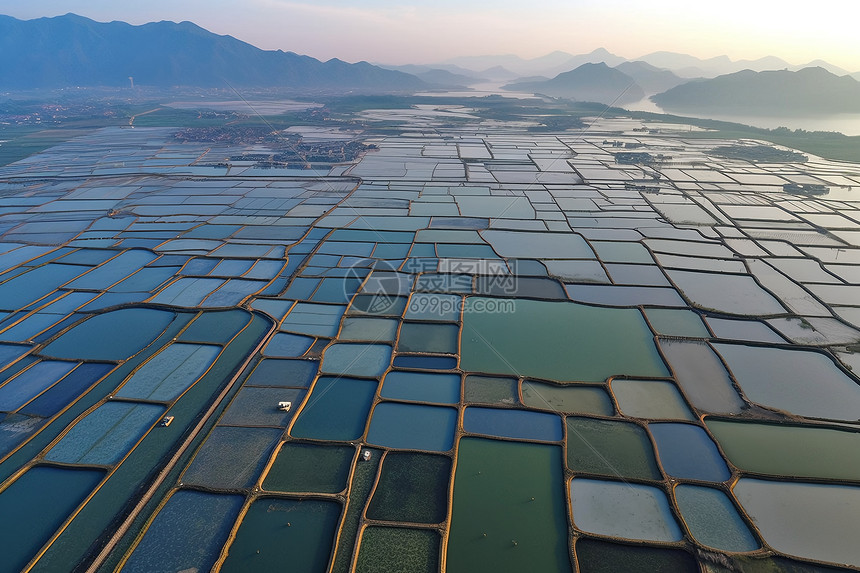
(429, 31)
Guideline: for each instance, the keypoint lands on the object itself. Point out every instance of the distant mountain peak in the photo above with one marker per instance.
(687, 65)
(593, 65)
(592, 81)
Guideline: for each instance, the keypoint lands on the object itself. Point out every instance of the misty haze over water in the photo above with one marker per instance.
(847, 123)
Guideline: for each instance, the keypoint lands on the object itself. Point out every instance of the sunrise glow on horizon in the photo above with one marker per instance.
(390, 32)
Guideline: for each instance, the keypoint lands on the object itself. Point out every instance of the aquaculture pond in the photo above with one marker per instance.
(187, 533)
(310, 468)
(53, 494)
(116, 335)
(561, 341)
(781, 379)
(686, 451)
(421, 387)
(570, 399)
(702, 376)
(594, 556)
(412, 488)
(790, 450)
(712, 519)
(412, 426)
(392, 550)
(508, 508)
(482, 345)
(505, 423)
(336, 409)
(170, 372)
(815, 521)
(610, 447)
(618, 509)
(653, 399)
(274, 530)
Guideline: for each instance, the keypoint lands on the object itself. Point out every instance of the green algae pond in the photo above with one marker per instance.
(595, 556)
(567, 399)
(561, 341)
(653, 399)
(790, 450)
(490, 390)
(394, 550)
(508, 508)
(310, 468)
(610, 447)
(412, 488)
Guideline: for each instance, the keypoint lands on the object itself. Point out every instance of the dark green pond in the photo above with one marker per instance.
(412, 488)
(276, 532)
(310, 468)
(611, 448)
(595, 556)
(569, 399)
(397, 550)
(509, 509)
(561, 341)
(784, 450)
(490, 390)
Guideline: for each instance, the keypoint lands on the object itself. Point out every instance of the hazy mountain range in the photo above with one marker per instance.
(775, 92)
(440, 76)
(811, 90)
(683, 65)
(549, 65)
(625, 83)
(74, 51)
(70, 50)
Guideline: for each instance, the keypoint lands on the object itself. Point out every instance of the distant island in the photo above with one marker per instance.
(588, 82)
(783, 92)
